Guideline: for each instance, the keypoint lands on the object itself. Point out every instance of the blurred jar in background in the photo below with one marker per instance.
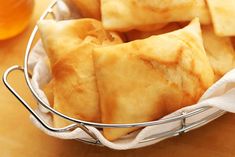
(14, 16)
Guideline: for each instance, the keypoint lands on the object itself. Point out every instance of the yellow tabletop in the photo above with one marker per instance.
(19, 138)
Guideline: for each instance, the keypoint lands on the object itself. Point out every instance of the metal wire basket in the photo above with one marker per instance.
(83, 124)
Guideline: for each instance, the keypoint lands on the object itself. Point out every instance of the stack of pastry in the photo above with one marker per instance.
(142, 61)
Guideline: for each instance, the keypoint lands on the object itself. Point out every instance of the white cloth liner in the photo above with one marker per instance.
(220, 96)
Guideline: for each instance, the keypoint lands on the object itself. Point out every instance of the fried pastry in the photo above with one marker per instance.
(152, 27)
(69, 45)
(48, 90)
(223, 14)
(67, 35)
(135, 34)
(88, 8)
(144, 80)
(124, 15)
(233, 42)
(219, 51)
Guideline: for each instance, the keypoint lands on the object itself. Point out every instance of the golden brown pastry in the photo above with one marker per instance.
(75, 92)
(151, 27)
(69, 45)
(233, 42)
(124, 15)
(88, 8)
(223, 14)
(135, 34)
(219, 51)
(66, 35)
(48, 90)
(144, 80)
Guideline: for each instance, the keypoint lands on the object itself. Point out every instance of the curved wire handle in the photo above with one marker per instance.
(35, 115)
(184, 127)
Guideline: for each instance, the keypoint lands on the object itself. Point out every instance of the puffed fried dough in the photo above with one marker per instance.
(223, 15)
(124, 15)
(144, 80)
(233, 42)
(219, 51)
(48, 90)
(88, 8)
(134, 34)
(75, 92)
(151, 27)
(58, 36)
(69, 45)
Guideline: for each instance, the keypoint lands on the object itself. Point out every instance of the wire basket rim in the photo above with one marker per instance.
(98, 125)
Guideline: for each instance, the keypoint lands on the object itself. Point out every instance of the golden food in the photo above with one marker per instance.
(69, 46)
(223, 14)
(219, 51)
(140, 62)
(136, 79)
(88, 8)
(135, 34)
(124, 15)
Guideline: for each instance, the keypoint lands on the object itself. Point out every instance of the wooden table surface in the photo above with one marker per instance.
(19, 138)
